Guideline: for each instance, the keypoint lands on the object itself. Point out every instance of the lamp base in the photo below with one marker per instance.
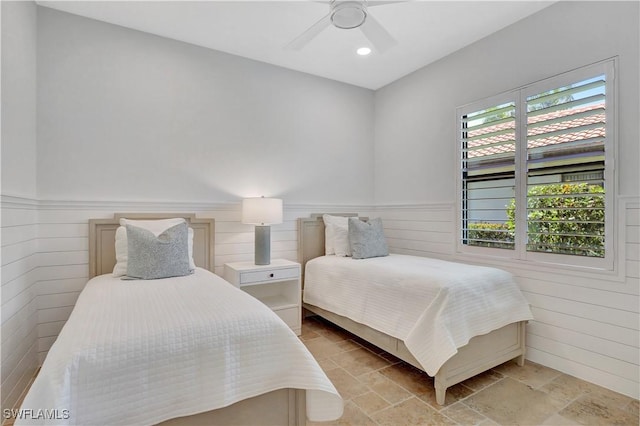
(263, 245)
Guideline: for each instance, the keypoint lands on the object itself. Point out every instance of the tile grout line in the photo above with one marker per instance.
(475, 392)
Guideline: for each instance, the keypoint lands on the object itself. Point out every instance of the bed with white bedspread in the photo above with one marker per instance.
(432, 305)
(451, 320)
(189, 349)
(141, 352)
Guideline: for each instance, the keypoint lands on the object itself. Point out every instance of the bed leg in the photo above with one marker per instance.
(522, 331)
(441, 391)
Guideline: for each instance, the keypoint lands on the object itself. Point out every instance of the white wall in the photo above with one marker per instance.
(128, 121)
(586, 324)
(415, 128)
(19, 220)
(125, 115)
(18, 92)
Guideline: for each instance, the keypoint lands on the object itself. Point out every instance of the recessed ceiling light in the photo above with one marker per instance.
(363, 51)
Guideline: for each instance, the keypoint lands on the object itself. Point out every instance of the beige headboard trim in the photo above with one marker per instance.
(102, 234)
(311, 237)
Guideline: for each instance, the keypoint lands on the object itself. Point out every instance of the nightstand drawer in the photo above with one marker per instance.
(290, 316)
(270, 275)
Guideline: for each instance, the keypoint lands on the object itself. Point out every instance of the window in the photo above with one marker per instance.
(536, 179)
(488, 170)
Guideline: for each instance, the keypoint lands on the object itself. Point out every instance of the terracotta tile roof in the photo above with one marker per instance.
(570, 123)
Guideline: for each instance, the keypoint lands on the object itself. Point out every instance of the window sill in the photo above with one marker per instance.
(615, 275)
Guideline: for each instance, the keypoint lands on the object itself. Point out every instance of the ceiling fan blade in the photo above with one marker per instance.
(374, 3)
(304, 38)
(377, 35)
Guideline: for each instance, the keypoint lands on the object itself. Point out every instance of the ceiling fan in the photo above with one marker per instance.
(346, 15)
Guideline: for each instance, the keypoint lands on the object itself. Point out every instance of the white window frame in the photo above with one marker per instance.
(519, 96)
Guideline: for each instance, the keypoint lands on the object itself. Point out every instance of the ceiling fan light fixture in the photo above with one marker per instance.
(345, 15)
(348, 15)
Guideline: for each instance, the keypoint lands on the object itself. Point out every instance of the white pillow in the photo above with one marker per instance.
(336, 235)
(157, 227)
(328, 239)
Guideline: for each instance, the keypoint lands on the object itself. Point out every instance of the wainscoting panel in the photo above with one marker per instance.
(585, 324)
(18, 236)
(426, 230)
(62, 241)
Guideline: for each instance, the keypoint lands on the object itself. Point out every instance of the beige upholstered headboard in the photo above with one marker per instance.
(311, 237)
(102, 234)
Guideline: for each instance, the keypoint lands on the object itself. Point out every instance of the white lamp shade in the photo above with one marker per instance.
(262, 211)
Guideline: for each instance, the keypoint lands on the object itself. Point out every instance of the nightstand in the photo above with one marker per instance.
(276, 285)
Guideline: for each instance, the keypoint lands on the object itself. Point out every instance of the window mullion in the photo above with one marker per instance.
(611, 210)
(521, 176)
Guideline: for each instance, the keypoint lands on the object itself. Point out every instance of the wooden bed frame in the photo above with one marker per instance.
(280, 407)
(480, 354)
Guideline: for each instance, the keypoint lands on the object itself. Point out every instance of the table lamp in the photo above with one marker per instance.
(262, 212)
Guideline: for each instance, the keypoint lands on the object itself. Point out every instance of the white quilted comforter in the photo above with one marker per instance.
(141, 352)
(432, 305)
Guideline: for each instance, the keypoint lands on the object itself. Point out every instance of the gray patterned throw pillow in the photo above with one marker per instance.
(367, 238)
(163, 256)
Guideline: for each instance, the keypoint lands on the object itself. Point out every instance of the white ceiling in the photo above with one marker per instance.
(425, 31)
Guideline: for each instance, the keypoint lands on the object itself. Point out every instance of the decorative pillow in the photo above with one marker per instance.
(336, 235)
(155, 226)
(366, 239)
(151, 257)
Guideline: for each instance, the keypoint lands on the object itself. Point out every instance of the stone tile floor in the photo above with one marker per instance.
(379, 389)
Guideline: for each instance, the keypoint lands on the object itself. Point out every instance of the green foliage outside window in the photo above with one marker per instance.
(496, 235)
(565, 218)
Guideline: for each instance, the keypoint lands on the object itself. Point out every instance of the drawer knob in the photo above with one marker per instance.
(271, 275)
